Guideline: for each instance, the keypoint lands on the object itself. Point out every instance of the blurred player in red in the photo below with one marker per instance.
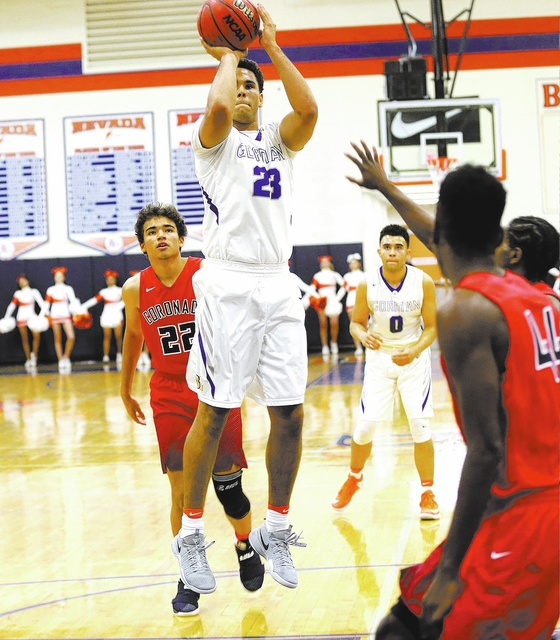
(160, 305)
(531, 248)
(497, 574)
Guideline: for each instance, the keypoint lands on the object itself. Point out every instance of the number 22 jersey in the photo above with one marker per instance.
(167, 318)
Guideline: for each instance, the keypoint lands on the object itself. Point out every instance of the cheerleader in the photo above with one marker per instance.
(61, 301)
(112, 315)
(144, 361)
(325, 282)
(350, 283)
(25, 300)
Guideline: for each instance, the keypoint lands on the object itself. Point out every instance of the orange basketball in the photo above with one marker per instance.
(228, 23)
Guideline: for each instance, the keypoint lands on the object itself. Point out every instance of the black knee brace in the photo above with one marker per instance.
(230, 494)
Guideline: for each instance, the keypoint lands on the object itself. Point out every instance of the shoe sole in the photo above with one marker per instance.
(362, 481)
(257, 580)
(256, 588)
(339, 509)
(278, 578)
(192, 587)
(255, 542)
(430, 516)
(186, 614)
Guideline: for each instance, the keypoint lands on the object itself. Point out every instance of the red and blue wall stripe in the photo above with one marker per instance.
(327, 52)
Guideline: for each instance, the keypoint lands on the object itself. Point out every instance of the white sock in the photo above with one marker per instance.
(356, 475)
(276, 521)
(191, 525)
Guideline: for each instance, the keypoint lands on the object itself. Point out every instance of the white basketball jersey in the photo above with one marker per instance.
(247, 185)
(396, 313)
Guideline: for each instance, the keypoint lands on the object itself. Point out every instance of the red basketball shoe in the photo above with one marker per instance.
(347, 491)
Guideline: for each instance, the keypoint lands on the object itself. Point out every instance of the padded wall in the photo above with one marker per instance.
(85, 275)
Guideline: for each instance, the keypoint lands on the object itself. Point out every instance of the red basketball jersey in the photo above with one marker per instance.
(546, 289)
(167, 317)
(531, 383)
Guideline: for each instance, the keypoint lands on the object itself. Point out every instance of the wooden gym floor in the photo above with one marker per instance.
(85, 535)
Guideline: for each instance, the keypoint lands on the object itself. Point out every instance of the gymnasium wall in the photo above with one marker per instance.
(340, 47)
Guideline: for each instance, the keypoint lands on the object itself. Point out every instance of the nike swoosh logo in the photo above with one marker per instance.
(262, 541)
(150, 289)
(404, 130)
(496, 556)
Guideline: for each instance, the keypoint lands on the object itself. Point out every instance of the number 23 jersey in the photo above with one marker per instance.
(396, 312)
(167, 317)
(247, 183)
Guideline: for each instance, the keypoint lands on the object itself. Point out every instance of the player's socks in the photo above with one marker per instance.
(191, 522)
(276, 518)
(189, 547)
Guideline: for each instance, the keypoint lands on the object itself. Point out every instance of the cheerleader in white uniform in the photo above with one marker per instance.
(350, 283)
(144, 361)
(325, 283)
(61, 301)
(112, 315)
(24, 300)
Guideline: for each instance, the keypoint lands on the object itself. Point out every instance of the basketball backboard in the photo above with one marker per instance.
(412, 131)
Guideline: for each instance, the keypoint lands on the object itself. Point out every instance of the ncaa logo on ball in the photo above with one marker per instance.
(231, 23)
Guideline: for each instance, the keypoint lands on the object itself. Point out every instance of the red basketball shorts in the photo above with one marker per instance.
(510, 575)
(174, 408)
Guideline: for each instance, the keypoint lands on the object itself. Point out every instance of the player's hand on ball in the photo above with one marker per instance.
(268, 28)
(219, 52)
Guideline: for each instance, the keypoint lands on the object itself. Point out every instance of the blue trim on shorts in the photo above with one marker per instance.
(427, 394)
(203, 353)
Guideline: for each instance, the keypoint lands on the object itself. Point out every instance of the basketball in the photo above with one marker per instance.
(228, 23)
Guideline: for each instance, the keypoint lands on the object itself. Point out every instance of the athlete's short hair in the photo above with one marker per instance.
(156, 210)
(251, 65)
(395, 230)
(539, 243)
(469, 210)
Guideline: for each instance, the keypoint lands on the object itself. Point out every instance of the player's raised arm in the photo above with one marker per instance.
(218, 115)
(374, 177)
(132, 347)
(297, 126)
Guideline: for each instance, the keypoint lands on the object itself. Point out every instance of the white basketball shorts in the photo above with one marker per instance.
(382, 378)
(250, 336)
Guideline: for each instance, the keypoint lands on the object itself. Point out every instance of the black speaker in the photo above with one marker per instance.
(406, 79)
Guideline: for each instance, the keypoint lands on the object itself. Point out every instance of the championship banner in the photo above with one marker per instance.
(187, 196)
(23, 201)
(110, 176)
(548, 101)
